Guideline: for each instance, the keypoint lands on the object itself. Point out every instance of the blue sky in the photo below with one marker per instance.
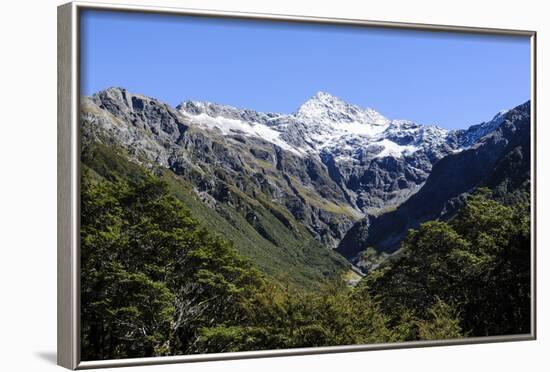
(452, 80)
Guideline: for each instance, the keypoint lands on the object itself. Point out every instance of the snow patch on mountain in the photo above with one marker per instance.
(390, 148)
(324, 121)
(226, 126)
(327, 123)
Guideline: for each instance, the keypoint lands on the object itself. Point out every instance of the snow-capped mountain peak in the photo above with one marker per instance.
(322, 123)
(325, 108)
(325, 123)
(321, 102)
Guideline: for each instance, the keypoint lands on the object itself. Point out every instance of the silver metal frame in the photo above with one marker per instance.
(68, 180)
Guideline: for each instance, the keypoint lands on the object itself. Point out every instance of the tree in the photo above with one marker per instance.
(477, 263)
(281, 316)
(443, 323)
(151, 276)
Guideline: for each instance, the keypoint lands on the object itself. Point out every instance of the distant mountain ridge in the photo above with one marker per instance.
(500, 159)
(359, 146)
(322, 122)
(326, 166)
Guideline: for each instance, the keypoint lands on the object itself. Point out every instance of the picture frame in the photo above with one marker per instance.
(69, 184)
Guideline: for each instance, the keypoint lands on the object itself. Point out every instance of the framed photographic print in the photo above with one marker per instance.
(235, 185)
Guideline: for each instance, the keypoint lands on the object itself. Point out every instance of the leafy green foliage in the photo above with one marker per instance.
(442, 323)
(151, 277)
(156, 281)
(285, 247)
(284, 317)
(477, 263)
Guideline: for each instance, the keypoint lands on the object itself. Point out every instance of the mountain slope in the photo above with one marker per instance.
(500, 160)
(312, 175)
(376, 163)
(155, 134)
(271, 238)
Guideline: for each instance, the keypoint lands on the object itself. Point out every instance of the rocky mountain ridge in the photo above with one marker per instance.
(499, 160)
(377, 163)
(328, 164)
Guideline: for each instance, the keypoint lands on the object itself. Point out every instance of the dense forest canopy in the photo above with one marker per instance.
(155, 282)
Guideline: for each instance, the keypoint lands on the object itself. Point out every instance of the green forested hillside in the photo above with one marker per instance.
(264, 232)
(478, 263)
(157, 281)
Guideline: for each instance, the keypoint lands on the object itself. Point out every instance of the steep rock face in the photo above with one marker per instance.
(219, 164)
(486, 163)
(146, 127)
(377, 163)
(328, 164)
